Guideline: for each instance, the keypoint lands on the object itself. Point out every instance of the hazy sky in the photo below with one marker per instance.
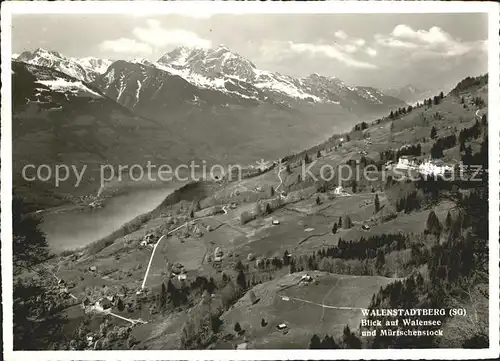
(425, 50)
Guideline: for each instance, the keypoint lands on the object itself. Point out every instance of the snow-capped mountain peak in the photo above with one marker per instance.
(95, 64)
(85, 69)
(142, 61)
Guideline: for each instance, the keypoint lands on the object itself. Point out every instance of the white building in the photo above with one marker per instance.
(433, 168)
(306, 278)
(428, 167)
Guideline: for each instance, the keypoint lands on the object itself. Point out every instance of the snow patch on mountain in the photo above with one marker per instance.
(94, 64)
(63, 85)
(85, 69)
(137, 92)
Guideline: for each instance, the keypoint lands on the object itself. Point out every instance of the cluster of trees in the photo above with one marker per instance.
(260, 210)
(346, 224)
(365, 247)
(360, 126)
(478, 102)
(410, 150)
(479, 158)
(37, 303)
(405, 295)
(407, 150)
(203, 323)
(467, 134)
(410, 202)
(441, 144)
(435, 100)
(348, 341)
(456, 268)
(400, 111)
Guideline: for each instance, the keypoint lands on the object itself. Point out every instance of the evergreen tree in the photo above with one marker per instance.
(119, 305)
(380, 260)
(328, 343)
(433, 225)
(237, 327)
(315, 343)
(307, 160)
(163, 295)
(263, 322)
(354, 186)
(346, 222)
(340, 222)
(241, 280)
(239, 266)
(433, 132)
(318, 155)
(441, 95)
(318, 201)
(448, 221)
(268, 208)
(334, 229)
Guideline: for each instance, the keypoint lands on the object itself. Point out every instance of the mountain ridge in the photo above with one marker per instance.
(216, 67)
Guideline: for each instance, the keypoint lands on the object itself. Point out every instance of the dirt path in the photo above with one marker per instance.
(324, 306)
(323, 303)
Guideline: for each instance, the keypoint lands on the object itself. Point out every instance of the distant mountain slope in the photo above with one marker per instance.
(471, 84)
(216, 65)
(236, 122)
(85, 69)
(410, 94)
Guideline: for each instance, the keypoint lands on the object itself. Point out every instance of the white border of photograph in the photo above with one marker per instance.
(208, 7)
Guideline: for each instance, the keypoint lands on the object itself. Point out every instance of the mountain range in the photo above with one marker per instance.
(192, 104)
(85, 69)
(225, 71)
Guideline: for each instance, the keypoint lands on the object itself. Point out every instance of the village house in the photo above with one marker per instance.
(306, 278)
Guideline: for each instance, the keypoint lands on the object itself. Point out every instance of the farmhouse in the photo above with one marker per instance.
(281, 326)
(242, 346)
(104, 303)
(305, 278)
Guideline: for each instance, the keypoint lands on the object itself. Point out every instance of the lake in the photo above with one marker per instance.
(73, 229)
